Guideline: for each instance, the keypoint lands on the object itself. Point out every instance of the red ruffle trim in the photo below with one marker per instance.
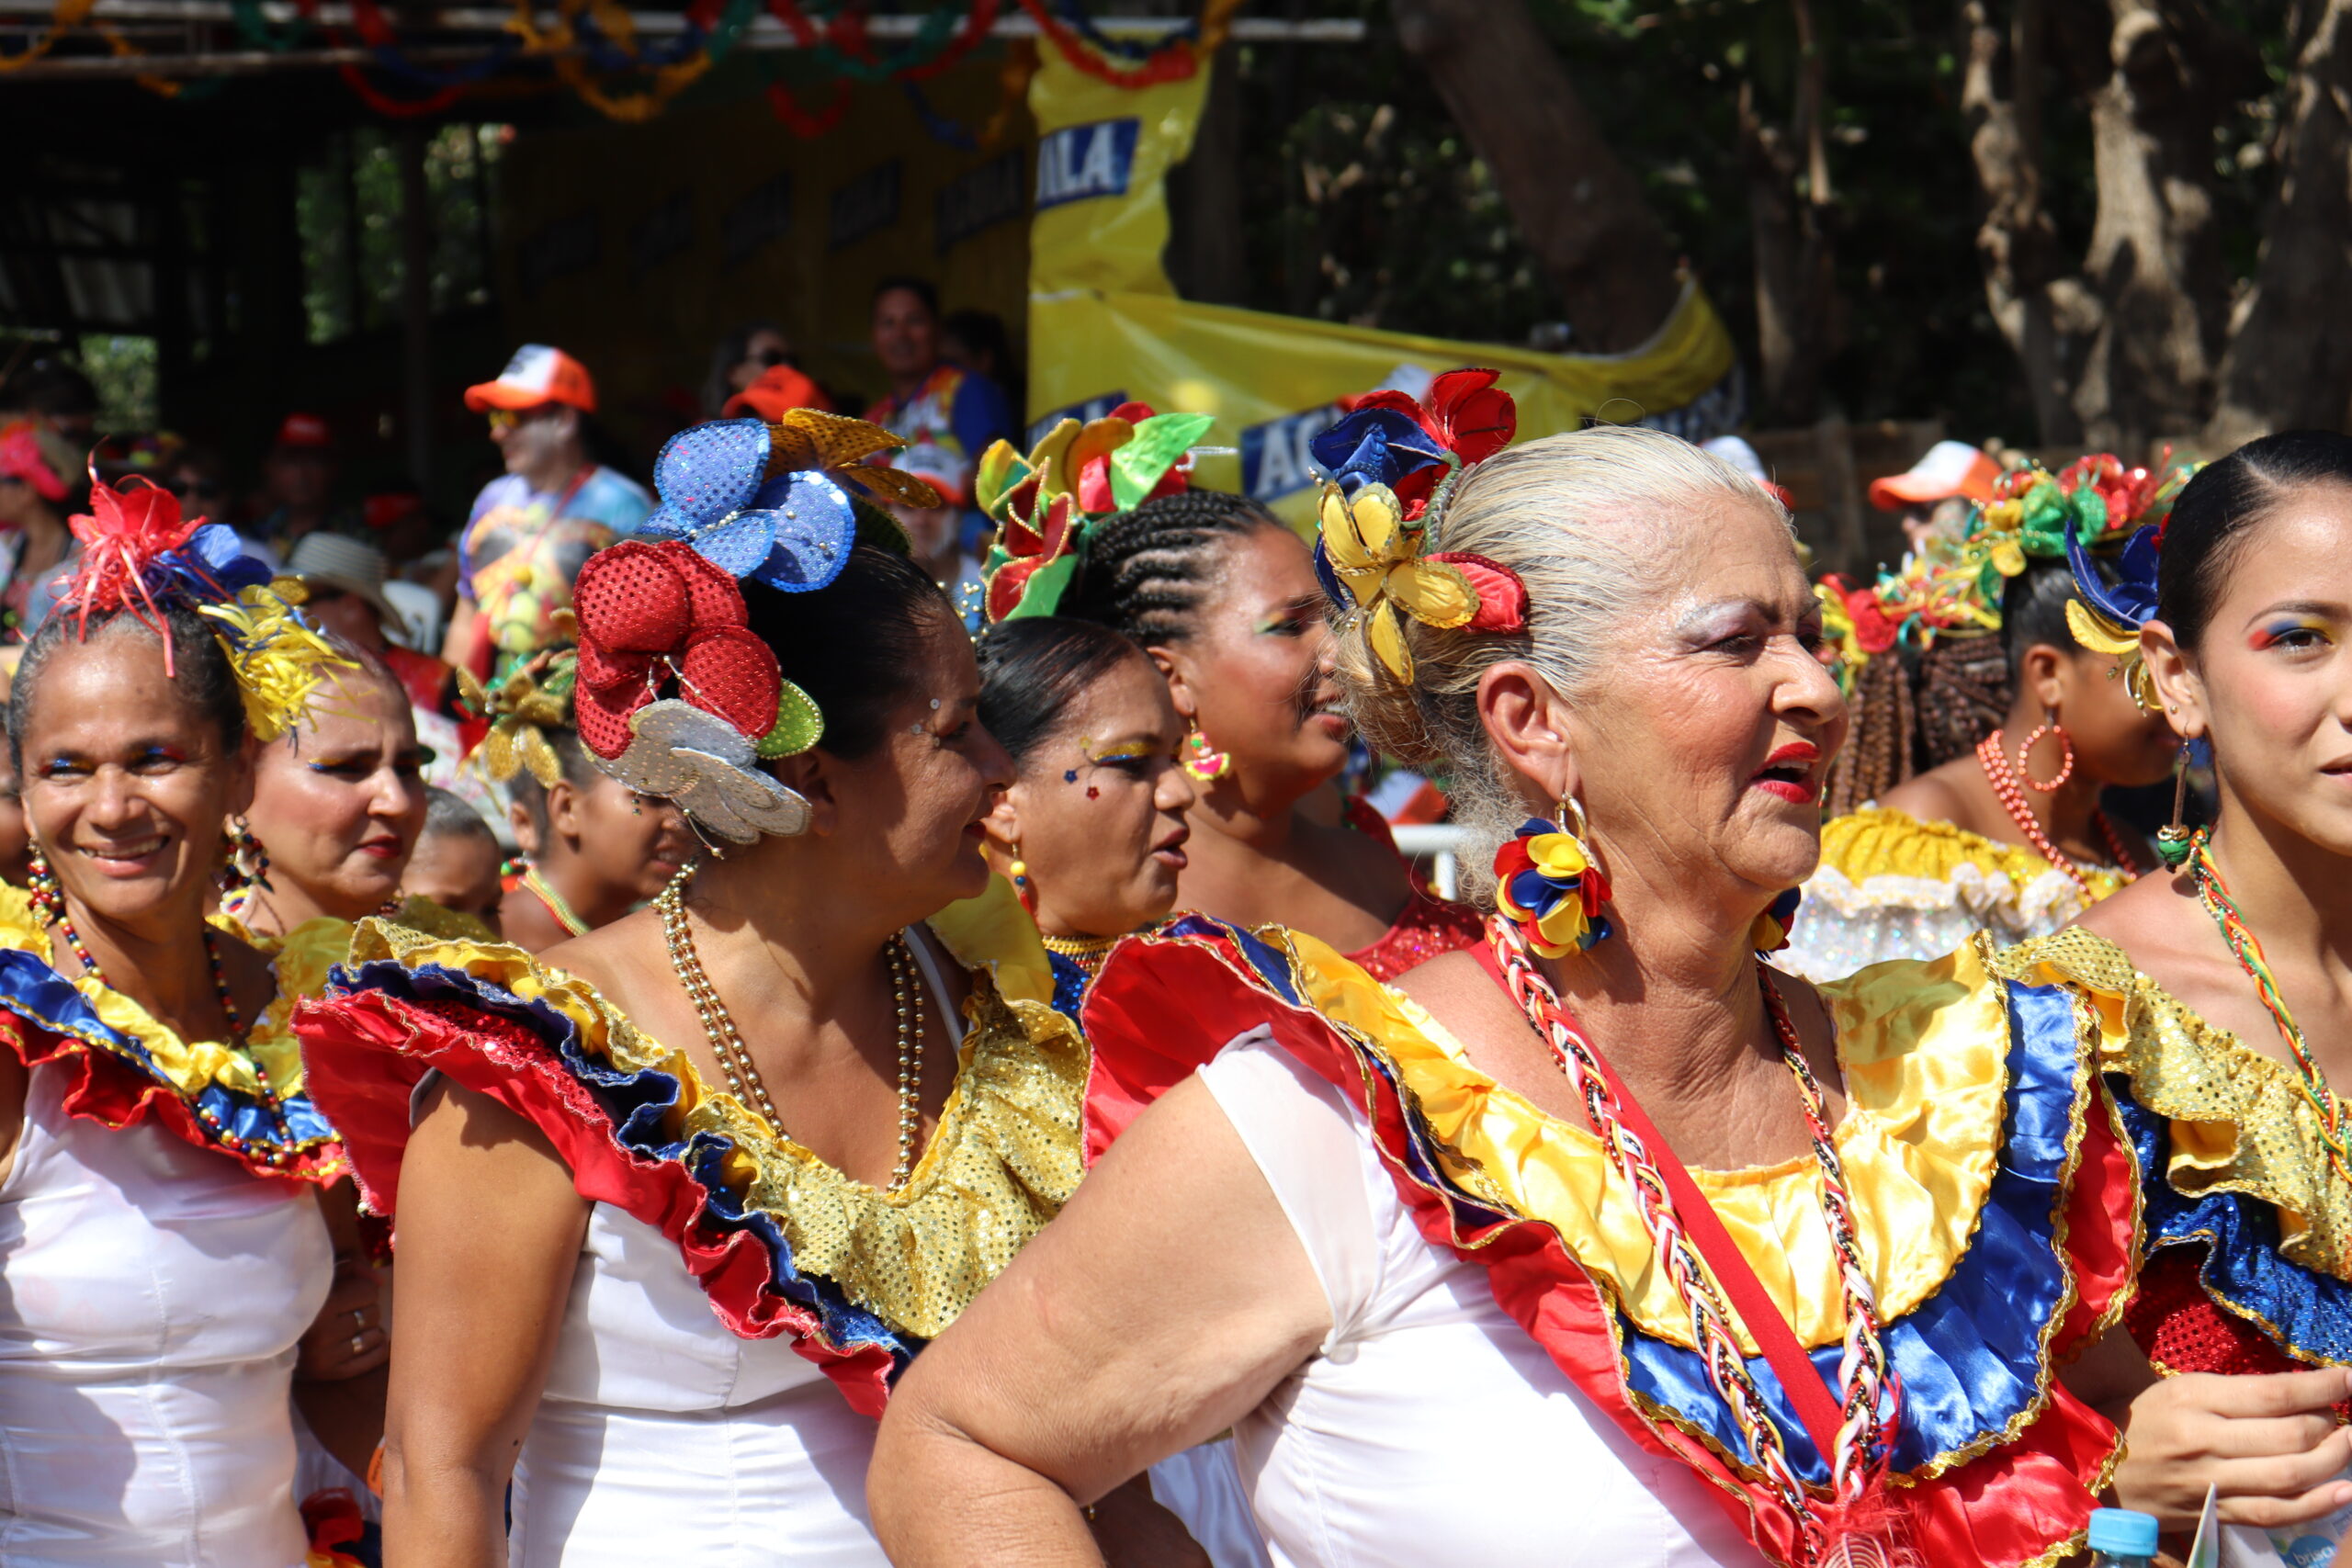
(365, 1054)
(104, 1089)
(1152, 1019)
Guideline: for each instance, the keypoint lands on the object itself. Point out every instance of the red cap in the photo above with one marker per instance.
(779, 390)
(305, 430)
(536, 375)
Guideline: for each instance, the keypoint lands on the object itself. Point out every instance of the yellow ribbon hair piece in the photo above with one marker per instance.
(278, 661)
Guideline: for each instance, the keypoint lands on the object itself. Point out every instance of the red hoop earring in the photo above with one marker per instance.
(2066, 770)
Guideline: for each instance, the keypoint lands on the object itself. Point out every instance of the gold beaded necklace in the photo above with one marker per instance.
(1086, 952)
(743, 1080)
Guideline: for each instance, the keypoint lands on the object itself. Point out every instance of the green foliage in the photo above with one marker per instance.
(347, 211)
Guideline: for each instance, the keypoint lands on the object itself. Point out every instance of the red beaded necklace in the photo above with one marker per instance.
(1992, 756)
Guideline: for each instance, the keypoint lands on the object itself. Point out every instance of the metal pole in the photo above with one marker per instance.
(416, 305)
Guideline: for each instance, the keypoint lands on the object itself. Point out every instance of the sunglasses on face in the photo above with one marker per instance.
(769, 359)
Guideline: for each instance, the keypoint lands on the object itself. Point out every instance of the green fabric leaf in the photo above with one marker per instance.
(1043, 594)
(798, 725)
(1159, 441)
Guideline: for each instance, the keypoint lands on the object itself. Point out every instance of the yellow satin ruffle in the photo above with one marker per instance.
(1005, 1157)
(1876, 841)
(1924, 1047)
(189, 1066)
(307, 953)
(2239, 1120)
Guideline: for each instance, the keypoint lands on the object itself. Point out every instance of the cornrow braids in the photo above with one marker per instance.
(1148, 570)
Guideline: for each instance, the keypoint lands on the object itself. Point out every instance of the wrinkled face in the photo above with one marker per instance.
(1702, 756)
(458, 872)
(299, 477)
(531, 438)
(635, 840)
(906, 338)
(762, 351)
(918, 800)
(2270, 682)
(1258, 665)
(126, 783)
(1097, 815)
(339, 803)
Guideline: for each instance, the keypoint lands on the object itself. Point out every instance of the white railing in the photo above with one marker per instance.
(1441, 843)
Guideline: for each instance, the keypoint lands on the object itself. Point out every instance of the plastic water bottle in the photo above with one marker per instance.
(2121, 1538)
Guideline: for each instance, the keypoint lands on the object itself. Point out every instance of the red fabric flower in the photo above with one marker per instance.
(1031, 550)
(1872, 630)
(122, 532)
(1466, 413)
(659, 616)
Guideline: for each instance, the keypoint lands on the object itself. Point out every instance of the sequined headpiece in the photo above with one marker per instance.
(676, 696)
(140, 558)
(1045, 505)
(1393, 464)
(517, 713)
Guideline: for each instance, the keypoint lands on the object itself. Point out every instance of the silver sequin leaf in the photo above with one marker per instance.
(706, 766)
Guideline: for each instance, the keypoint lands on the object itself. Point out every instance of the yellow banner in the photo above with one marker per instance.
(1105, 326)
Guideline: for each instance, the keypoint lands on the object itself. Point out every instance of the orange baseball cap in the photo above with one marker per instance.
(948, 472)
(779, 390)
(1949, 469)
(536, 375)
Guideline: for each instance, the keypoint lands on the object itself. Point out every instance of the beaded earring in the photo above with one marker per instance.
(1022, 887)
(42, 890)
(1549, 883)
(247, 867)
(1200, 760)
(2174, 840)
(2049, 726)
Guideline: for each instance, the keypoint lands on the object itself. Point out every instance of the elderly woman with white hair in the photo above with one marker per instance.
(1601, 1241)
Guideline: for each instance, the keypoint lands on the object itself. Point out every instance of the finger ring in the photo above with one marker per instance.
(359, 1318)
(358, 1343)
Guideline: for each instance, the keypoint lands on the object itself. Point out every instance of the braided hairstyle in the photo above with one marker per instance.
(1148, 571)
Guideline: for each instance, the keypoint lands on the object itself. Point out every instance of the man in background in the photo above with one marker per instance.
(533, 526)
(930, 402)
(298, 481)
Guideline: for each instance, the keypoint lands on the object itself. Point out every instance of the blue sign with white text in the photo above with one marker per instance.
(1080, 162)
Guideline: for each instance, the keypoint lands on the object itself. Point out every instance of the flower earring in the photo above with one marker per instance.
(1548, 883)
(1201, 761)
(41, 891)
(2049, 726)
(1771, 931)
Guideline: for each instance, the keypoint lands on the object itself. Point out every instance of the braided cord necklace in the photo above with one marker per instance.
(2247, 948)
(1995, 760)
(557, 905)
(1865, 1438)
(743, 1080)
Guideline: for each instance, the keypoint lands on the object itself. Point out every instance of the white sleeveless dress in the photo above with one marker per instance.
(151, 1294)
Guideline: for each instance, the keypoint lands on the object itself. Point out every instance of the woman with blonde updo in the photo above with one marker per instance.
(1599, 1240)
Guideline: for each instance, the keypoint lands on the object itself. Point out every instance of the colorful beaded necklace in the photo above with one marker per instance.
(2247, 948)
(1995, 760)
(555, 901)
(1865, 1436)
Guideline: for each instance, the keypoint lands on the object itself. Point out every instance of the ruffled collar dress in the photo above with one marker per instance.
(1510, 1378)
(1891, 886)
(740, 1308)
(162, 1255)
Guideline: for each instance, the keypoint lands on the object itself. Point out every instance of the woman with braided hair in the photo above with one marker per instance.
(1223, 596)
(1600, 1241)
(2008, 835)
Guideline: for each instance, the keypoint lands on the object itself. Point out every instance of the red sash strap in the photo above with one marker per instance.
(1816, 1406)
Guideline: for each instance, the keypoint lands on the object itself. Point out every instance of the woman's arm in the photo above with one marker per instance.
(339, 1381)
(1165, 1303)
(490, 1236)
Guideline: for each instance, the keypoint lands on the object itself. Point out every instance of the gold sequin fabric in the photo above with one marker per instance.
(1005, 1156)
(2239, 1120)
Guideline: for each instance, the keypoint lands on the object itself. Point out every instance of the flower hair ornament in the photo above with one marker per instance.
(1046, 502)
(140, 556)
(1393, 461)
(1549, 883)
(675, 696)
(516, 714)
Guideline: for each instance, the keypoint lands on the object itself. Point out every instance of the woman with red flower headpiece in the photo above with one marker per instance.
(676, 1201)
(1601, 1241)
(169, 1276)
(1225, 598)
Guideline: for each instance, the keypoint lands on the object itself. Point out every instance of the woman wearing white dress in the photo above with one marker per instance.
(163, 1258)
(1434, 1251)
(684, 1195)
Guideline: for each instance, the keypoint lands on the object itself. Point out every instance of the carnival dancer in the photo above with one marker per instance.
(168, 1272)
(1433, 1251)
(2216, 995)
(1223, 596)
(2008, 835)
(684, 1195)
(589, 848)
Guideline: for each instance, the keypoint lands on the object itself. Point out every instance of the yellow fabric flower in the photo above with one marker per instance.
(1378, 554)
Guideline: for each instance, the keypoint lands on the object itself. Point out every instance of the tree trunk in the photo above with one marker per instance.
(2290, 360)
(1581, 210)
(2155, 257)
(2018, 244)
(1790, 214)
(1206, 254)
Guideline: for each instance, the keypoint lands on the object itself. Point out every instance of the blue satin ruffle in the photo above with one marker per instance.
(2306, 1313)
(638, 1106)
(43, 997)
(1970, 1355)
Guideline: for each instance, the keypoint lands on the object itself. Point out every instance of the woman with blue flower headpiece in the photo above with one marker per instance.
(166, 1273)
(1602, 1240)
(678, 1199)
